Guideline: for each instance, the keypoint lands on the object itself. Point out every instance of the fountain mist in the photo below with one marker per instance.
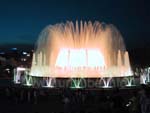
(80, 50)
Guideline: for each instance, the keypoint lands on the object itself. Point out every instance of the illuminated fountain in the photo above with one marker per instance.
(80, 50)
(20, 73)
(130, 81)
(28, 80)
(145, 76)
(78, 83)
(50, 82)
(17, 74)
(106, 82)
(148, 75)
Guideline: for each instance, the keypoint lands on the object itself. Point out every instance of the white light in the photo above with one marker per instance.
(23, 59)
(95, 58)
(28, 55)
(21, 69)
(7, 69)
(80, 58)
(24, 53)
(62, 58)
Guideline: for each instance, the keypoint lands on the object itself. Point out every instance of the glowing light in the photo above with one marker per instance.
(95, 59)
(50, 82)
(28, 80)
(96, 50)
(14, 49)
(17, 74)
(78, 83)
(143, 79)
(21, 69)
(28, 55)
(106, 82)
(24, 53)
(130, 81)
(62, 60)
(75, 58)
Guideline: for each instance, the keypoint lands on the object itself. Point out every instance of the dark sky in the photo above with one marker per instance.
(21, 21)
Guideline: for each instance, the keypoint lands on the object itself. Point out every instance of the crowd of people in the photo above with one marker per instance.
(39, 100)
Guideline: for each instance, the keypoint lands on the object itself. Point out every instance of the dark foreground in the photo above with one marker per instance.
(43, 100)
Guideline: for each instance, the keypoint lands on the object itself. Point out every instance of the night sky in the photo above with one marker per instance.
(21, 21)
